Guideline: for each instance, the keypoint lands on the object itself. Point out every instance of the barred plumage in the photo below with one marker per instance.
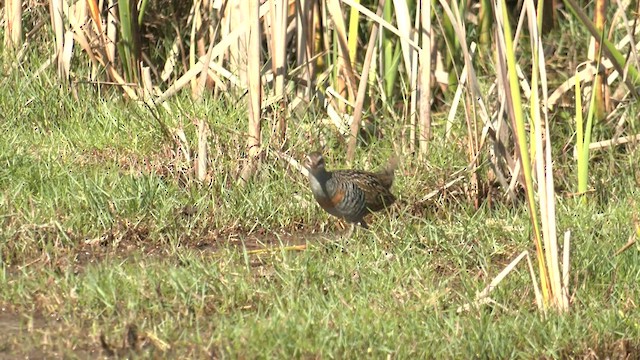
(350, 194)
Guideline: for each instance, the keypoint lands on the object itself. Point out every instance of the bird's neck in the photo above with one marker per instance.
(318, 180)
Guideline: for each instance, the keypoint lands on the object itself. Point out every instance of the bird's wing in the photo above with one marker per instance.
(376, 193)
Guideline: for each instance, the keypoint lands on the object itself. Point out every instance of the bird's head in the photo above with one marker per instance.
(314, 162)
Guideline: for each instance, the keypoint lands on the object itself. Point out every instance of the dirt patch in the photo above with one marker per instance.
(606, 349)
(33, 336)
(14, 327)
(125, 239)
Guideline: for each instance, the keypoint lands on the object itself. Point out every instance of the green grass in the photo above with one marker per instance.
(103, 228)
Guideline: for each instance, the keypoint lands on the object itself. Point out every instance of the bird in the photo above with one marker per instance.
(350, 194)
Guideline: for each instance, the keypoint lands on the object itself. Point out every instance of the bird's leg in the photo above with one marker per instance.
(351, 231)
(362, 223)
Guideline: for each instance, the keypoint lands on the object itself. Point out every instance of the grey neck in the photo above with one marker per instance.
(318, 180)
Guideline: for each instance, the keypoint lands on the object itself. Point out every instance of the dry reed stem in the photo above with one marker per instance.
(609, 143)
(425, 78)
(291, 161)
(362, 87)
(56, 11)
(544, 165)
(344, 61)
(254, 139)
(112, 31)
(13, 24)
(279, 22)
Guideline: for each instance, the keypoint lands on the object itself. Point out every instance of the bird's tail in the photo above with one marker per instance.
(392, 165)
(387, 175)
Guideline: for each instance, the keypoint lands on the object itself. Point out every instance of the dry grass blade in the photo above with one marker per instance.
(458, 94)
(277, 249)
(202, 157)
(204, 75)
(441, 189)
(413, 81)
(629, 244)
(482, 295)
(338, 119)
(106, 41)
(112, 32)
(235, 23)
(402, 35)
(587, 73)
(67, 52)
(635, 59)
(595, 55)
(196, 23)
(147, 84)
(58, 29)
(403, 19)
(536, 288)
(94, 12)
(157, 342)
(362, 87)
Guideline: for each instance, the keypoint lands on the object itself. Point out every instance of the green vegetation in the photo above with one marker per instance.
(105, 232)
